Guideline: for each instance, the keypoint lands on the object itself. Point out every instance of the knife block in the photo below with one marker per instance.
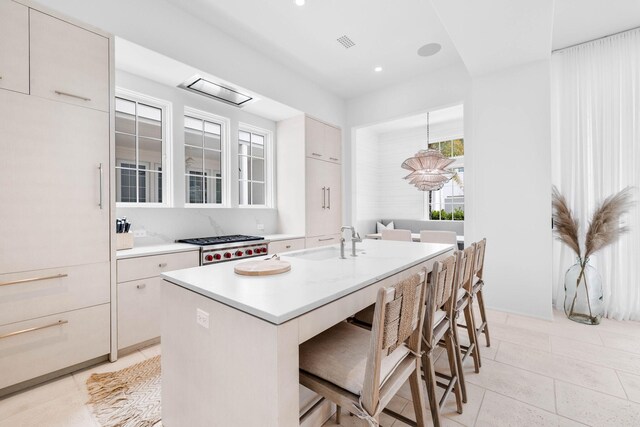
(124, 241)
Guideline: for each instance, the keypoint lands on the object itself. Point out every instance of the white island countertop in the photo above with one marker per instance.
(317, 277)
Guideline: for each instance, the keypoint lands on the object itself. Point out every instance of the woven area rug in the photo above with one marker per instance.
(129, 397)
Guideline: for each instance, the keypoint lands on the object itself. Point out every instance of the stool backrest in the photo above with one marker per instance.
(478, 267)
(433, 236)
(439, 291)
(400, 235)
(397, 319)
(466, 266)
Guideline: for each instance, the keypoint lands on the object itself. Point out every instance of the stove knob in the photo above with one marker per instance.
(238, 253)
(209, 258)
(217, 256)
(250, 252)
(227, 255)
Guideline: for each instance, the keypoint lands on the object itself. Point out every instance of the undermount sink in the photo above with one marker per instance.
(321, 254)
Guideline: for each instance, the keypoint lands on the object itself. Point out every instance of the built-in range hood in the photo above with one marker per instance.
(216, 91)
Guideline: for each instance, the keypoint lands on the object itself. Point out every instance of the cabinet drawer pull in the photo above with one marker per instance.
(329, 192)
(34, 279)
(325, 240)
(162, 264)
(141, 286)
(333, 158)
(324, 197)
(101, 178)
(316, 154)
(288, 246)
(37, 328)
(70, 95)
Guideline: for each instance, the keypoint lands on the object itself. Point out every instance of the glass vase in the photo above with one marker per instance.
(583, 301)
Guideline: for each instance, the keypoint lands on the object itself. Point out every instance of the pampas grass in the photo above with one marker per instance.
(604, 229)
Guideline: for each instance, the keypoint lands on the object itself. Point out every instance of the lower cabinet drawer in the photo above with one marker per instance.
(315, 242)
(138, 311)
(39, 346)
(33, 294)
(281, 246)
(151, 266)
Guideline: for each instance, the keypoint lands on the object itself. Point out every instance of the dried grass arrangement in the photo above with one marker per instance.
(604, 229)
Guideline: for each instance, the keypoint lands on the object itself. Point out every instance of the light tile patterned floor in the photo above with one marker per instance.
(536, 373)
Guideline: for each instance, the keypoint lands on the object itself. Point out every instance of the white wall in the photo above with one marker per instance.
(508, 185)
(366, 196)
(168, 226)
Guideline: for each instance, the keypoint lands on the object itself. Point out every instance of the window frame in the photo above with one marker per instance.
(459, 163)
(166, 108)
(225, 156)
(268, 166)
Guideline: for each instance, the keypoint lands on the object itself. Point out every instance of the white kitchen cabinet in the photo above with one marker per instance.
(323, 142)
(68, 63)
(55, 221)
(316, 242)
(54, 196)
(280, 246)
(14, 46)
(139, 290)
(43, 345)
(323, 201)
(309, 178)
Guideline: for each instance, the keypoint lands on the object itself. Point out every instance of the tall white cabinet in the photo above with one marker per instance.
(55, 193)
(309, 156)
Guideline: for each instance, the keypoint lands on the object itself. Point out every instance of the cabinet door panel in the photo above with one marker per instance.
(14, 46)
(314, 139)
(50, 192)
(68, 64)
(333, 220)
(139, 314)
(333, 144)
(316, 203)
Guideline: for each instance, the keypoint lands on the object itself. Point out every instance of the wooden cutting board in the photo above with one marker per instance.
(263, 267)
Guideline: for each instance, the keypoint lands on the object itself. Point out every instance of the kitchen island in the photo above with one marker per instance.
(230, 342)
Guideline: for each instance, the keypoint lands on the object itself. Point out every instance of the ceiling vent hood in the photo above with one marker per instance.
(216, 91)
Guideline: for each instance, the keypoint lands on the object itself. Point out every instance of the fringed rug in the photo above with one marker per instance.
(129, 397)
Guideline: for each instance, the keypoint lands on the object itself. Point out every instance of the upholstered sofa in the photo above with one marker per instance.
(416, 225)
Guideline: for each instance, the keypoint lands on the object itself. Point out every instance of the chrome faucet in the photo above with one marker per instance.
(355, 238)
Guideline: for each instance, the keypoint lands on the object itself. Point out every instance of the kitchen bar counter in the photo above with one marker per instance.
(317, 277)
(230, 342)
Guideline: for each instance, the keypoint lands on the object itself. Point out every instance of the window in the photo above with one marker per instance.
(253, 146)
(141, 148)
(204, 156)
(448, 202)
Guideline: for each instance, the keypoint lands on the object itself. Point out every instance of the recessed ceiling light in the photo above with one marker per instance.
(300, 2)
(429, 49)
(377, 69)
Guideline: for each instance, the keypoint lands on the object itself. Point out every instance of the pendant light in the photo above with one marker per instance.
(429, 168)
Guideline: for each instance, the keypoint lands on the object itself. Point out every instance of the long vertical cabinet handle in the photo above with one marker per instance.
(324, 197)
(329, 191)
(101, 178)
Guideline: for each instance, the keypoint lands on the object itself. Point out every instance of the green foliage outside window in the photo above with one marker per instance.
(456, 215)
(451, 148)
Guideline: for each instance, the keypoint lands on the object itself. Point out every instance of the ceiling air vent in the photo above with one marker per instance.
(346, 41)
(216, 91)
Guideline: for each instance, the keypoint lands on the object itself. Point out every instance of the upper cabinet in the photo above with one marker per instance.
(323, 141)
(68, 63)
(14, 46)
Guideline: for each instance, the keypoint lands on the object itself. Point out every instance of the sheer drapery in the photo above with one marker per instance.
(596, 152)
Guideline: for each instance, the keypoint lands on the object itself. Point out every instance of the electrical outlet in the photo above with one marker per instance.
(202, 318)
(140, 233)
(260, 227)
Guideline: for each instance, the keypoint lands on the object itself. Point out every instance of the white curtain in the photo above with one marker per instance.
(596, 152)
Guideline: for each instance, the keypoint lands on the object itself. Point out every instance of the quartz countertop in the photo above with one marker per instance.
(155, 250)
(277, 237)
(317, 277)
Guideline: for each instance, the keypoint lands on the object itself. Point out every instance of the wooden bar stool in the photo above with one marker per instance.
(478, 285)
(438, 326)
(434, 236)
(400, 235)
(464, 308)
(362, 370)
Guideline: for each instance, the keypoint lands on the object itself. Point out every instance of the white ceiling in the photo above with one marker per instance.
(578, 21)
(386, 33)
(144, 62)
(451, 115)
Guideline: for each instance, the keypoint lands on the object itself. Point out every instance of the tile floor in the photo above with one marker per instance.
(536, 373)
